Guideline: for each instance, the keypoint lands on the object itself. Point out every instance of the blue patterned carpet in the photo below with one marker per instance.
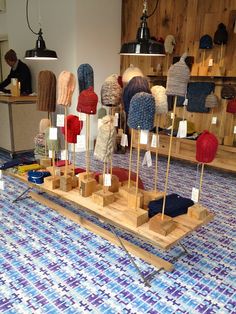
(48, 264)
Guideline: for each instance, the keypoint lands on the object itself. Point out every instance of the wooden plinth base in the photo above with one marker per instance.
(136, 217)
(66, 183)
(62, 170)
(115, 184)
(87, 187)
(75, 181)
(134, 201)
(52, 182)
(151, 195)
(197, 211)
(103, 198)
(45, 162)
(160, 226)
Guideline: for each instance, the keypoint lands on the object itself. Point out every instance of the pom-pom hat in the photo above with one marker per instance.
(87, 101)
(111, 91)
(74, 127)
(206, 147)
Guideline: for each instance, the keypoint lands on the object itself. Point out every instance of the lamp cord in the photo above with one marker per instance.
(27, 17)
(154, 9)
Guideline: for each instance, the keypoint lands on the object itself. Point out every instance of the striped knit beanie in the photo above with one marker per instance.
(177, 78)
(111, 91)
(159, 93)
(46, 91)
(66, 87)
(129, 73)
(206, 147)
(74, 127)
(106, 139)
(142, 111)
(136, 85)
(211, 101)
(85, 76)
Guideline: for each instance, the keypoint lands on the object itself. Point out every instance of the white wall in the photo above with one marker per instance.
(81, 31)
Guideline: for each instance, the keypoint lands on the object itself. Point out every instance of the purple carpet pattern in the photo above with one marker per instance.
(49, 264)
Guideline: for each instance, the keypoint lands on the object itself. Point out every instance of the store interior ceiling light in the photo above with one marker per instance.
(40, 52)
(143, 45)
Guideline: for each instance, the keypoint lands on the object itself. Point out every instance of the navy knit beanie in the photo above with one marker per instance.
(85, 76)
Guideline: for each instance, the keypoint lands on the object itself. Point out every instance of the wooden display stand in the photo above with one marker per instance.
(197, 211)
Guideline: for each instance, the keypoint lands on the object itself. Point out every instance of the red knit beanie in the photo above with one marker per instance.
(74, 127)
(87, 101)
(206, 147)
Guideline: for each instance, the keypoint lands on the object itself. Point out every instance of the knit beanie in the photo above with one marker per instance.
(142, 111)
(206, 147)
(221, 35)
(87, 101)
(159, 93)
(85, 76)
(102, 112)
(66, 87)
(43, 125)
(51, 144)
(106, 139)
(177, 78)
(205, 42)
(131, 72)
(74, 127)
(228, 91)
(211, 101)
(231, 106)
(169, 44)
(46, 91)
(136, 85)
(111, 91)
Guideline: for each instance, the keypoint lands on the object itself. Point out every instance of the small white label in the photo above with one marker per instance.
(235, 125)
(144, 137)
(210, 63)
(172, 115)
(116, 119)
(182, 130)
(60, 120)
(155, 140)
(53, 133)
(147, 160)
(82, 116)
(124, 140)
(195, 195)
(81, 143)
(63, 154)
(213, 120)
(50, 153)
(2, 185)
(107, 179)
(185, 102)
(0, 174)
(137, 48)
(99, 123)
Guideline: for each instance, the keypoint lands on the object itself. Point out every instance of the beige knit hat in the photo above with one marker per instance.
(159, 93)
(66, 87)
(111, 91)
(169, 44)
(43, 125)
(211, 101)
(178, 78)
(129, 73)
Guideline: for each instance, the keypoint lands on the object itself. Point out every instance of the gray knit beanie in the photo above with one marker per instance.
(211, 101)
(177, 78)
(111, 91)
(159, 93)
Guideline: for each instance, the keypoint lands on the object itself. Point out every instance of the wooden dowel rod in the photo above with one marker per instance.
(200, 184)
(156, 151)
(137, 169)
(130, 156)
(66, 144)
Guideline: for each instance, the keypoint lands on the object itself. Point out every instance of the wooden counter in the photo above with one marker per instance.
(19, 123)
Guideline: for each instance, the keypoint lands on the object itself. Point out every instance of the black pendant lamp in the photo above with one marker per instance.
(143, 45)
(40, 52)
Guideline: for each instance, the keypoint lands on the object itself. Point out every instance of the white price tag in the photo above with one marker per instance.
(50, 153)
(144, 137)
(82, 116)
(195, 195)
(124, 140)
(116, 120)
(144, 160)
(63, 154)
(172, 115)
(213, 120)
(107, 179)
(53, 133)
(182, 130)
(2, 185)
(235, 125)
(185, 102)
(99, 123)
(60, 120)
(155, 140)
(210, 63)
(81, 143)
(0, 174)
(149, 159)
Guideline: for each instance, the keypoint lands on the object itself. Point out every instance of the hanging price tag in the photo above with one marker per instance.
(195, 195)
(81, 144)
(50, 153)
(53, 133)
(172, 115)
(185, 102)
(82, 116)
(2, 185)
(235, 129)
(182, 130)
(155, 140)
(107, 179)
(210, 63)
(60, 120)
(63, 154)
(144, 162)
(116, 119)
(144, 137)
(124, 140)
(213, 120)
(149, 159)
(0, 174)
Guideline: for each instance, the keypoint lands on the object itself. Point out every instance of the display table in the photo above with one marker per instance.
(19, 123)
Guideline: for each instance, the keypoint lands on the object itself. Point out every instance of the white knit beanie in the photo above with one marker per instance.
(129, 73)
(159, 93)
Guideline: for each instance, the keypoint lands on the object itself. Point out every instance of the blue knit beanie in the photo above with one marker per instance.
(206, 42)
(136, 85)
(85, 76)
(142, 111)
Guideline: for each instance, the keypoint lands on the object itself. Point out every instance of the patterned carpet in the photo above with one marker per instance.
(48, 264)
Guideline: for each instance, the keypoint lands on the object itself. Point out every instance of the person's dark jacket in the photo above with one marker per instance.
(22, 73)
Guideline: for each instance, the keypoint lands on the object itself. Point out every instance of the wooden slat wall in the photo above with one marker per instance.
(187, 21)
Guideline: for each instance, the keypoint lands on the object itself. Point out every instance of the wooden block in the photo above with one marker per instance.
(45, 162)
(103, 198)
(197, 211)
(85, 176)
(133, 200)
(229, 140)
(66, 183)
(160, 226)
(52, 182)
(136, 217)
(124, 190)
(75, 181)
(87, 187)
(115, 184)
(152, 195)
